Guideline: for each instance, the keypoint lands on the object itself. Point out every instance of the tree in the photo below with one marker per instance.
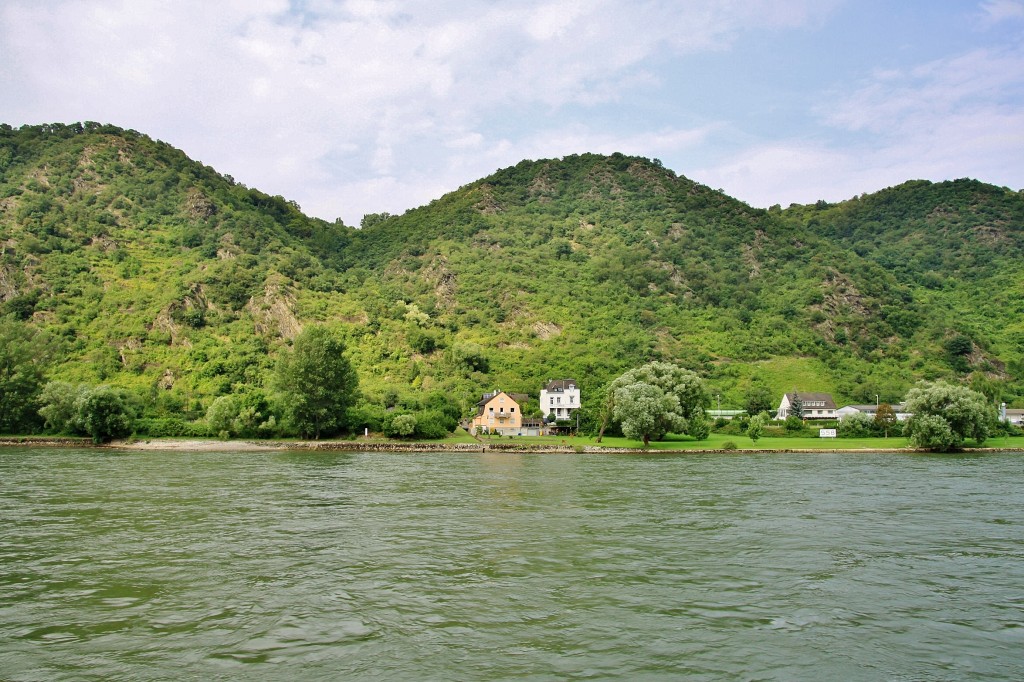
(221, 415)
(857, 425)
(699, 427)
(24, 353)
(646, 411)
(958, 348)
(400, 426)
(316, 382)
(796, 406)
(944, 415)
(105, 412)
(885, 418)
(60, 401)
(685, 391)
(931, 431)
(758, 400)
(756, 426)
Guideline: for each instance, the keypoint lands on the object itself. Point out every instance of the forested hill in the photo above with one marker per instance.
(148, 270)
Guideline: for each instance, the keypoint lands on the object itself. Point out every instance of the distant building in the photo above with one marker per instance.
(899, 408)
(724, 414)
(1011, 415)
(560, 397)
(813, 405)
(500, 412)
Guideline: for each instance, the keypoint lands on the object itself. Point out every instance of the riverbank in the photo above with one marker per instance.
(508, 446)
(212, 445)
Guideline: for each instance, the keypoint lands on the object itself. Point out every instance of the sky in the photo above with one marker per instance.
(364, 106)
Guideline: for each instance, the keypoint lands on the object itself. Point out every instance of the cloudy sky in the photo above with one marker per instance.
(359, 106)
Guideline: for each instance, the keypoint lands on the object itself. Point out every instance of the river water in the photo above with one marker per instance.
(309, 566)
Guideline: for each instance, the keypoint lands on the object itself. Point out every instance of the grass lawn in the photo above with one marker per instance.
(1007, 442)
(717, 441)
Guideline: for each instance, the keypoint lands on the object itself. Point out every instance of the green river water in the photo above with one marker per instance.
(341, 566)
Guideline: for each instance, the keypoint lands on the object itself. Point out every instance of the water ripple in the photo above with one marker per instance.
(139, 566)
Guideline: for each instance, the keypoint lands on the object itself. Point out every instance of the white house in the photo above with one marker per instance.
(813, 405)
(1014, 416)
(899, 408)
(560, 397)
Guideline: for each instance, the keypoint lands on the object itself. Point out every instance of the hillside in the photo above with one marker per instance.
(148, 269)
(151, 271)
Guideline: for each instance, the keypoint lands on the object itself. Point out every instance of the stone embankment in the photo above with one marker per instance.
(433, 447)
(50, 442)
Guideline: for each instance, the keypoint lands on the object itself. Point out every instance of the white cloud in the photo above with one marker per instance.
(998, 11)
(949, 118)
(363, 106)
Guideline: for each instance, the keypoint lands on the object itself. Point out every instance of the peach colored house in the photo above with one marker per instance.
(499, 412)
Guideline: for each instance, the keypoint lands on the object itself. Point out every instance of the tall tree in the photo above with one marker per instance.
(944, 415)
(756, 426)
(317, 382)
(24, 353)
(885, 418)
(796, 405)
(758, 399)
(685, 387)
(647, 412)
(105, 412)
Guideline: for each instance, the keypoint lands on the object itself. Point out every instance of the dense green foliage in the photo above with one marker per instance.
(153, 273)
(317, 382)
(944, 415)
(656, 399)
(755, 429)
(101, 412)
(23, 356)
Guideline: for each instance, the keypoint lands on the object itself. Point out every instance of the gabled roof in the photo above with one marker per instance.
(517, 398)
(560, 385)
(897, 407)
(805, 398)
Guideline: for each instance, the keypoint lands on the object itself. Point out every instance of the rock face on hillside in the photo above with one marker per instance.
(151, 270)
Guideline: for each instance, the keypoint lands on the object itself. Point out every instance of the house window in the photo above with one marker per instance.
(501, 399)
(559, 400)
(552, 400)
(491, 409)
(511, 409)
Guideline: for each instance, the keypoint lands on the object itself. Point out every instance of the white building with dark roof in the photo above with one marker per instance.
(560, 397)
(812, 405)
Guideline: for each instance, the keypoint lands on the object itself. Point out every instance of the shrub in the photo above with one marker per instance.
(222, 414)
(700, 427)
(857, 425)
(367, 416)
(729, 445)
(170, 427)
(433, 425)
(400, 426)
(106, 413)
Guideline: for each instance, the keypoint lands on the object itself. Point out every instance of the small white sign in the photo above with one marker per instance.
(826, 433)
